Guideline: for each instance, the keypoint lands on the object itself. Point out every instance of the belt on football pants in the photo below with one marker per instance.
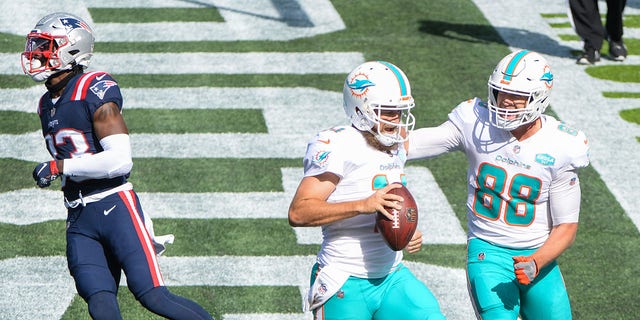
(83, 200)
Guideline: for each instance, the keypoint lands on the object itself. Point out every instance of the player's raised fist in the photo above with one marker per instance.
(45, 172)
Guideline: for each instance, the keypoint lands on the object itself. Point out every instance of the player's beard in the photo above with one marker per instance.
(375, 143)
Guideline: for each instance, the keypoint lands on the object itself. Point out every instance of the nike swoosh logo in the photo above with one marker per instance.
(100, 76)
(106, 212)
(43, 167)
(325, 141)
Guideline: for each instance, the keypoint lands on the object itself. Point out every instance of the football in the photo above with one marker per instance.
(398, 232)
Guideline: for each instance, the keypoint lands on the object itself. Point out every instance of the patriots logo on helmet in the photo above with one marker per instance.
(359, 84)
(101, 87)
(72, 23)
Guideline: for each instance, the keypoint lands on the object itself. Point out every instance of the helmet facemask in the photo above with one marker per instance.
(378, 125)
(512, 118)
(40, 57)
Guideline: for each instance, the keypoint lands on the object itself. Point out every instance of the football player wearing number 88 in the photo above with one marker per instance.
(524, 194)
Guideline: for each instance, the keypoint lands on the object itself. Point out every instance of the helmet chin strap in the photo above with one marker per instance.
(55, 88)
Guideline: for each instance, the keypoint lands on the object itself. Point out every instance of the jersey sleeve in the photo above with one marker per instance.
(580, 151)
(96, 89)
(564, 198)
(430, 142)
(323, 155)
(574, 144)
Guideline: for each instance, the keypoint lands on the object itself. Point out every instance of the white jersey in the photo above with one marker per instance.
(353, 245)
(510, 182)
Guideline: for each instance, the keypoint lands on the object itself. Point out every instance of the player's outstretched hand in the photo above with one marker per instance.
(45, 172)
(525, 268)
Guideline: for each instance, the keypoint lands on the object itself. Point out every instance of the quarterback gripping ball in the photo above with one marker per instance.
(398, 232)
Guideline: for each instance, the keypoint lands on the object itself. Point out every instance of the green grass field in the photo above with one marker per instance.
(447, 49)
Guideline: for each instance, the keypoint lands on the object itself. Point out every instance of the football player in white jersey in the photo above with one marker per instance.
(348, 171)
(524, 194)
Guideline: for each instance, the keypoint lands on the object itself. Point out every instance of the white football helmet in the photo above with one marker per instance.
(374, 87)
(524, 73)
(58, 42)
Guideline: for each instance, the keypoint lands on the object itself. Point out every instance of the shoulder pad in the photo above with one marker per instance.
(96, 82)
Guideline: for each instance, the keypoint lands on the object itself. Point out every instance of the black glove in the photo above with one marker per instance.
(45, 172)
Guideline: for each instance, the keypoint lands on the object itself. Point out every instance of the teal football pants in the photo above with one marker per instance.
(399, 295)
(497, 294)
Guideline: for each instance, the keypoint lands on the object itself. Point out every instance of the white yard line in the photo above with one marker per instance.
(243, 20)
(45, 290)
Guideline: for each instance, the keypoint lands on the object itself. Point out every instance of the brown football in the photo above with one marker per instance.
(398, 232)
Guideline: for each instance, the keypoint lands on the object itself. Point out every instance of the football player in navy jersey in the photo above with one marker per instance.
(88, 139)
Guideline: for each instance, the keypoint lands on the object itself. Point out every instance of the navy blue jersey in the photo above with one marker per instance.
(67, 126)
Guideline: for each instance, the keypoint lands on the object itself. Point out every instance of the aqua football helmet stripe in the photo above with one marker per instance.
(398, 74)
(511, 66)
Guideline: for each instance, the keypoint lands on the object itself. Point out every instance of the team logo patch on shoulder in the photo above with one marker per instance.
(320, 158)
(101, 87)
(545, 159)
